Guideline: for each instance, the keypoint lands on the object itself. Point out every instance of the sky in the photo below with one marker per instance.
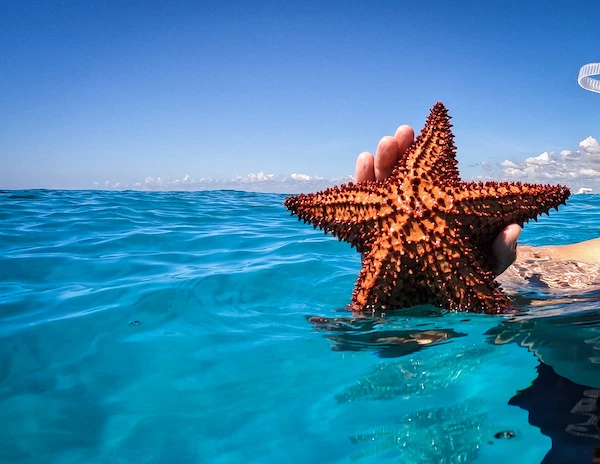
(282, 96)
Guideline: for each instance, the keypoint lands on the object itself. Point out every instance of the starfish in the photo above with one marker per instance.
(425, 235)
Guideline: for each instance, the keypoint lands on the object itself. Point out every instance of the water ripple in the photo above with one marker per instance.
(132, 323)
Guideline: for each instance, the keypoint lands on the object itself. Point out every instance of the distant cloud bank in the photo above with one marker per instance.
(571, 167)
(260, 182)
(574, 168)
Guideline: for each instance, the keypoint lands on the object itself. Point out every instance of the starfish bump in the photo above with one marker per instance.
(426, 236)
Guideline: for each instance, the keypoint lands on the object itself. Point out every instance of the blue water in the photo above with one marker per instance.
(172, 327)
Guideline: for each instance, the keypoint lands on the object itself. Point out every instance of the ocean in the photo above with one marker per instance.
(209, 327)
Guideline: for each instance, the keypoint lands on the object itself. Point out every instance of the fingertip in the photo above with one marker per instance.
(405, 136)
(510, 235)
(505, 247)
(385, 157)
(365, 167)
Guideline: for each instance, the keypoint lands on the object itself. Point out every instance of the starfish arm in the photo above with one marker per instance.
(433, 155)
(399, 272)
(469, 286)
(488, 208)
(377, 278)
(451, 277)
(346, 212)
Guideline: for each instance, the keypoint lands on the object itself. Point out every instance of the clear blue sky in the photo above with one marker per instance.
(120, 91)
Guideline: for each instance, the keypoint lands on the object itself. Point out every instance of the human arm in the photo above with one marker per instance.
(585, 252)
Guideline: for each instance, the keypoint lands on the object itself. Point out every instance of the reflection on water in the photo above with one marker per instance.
(421, 427)
(357, 334)
(565, 411)
(465, 432)
(569, 343)
(562, 402)
(391, 344)
(412, 377)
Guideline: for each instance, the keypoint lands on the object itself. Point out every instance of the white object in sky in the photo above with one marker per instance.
(586, 81)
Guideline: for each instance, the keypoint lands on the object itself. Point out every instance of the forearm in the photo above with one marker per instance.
(585, 252)
(566, 269)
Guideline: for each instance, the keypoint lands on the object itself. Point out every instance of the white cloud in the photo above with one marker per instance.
(260, 177)
(305, 177)
(590, 145)
(571, 167)
(540, 160)
(509, 164)
(564, 154)
(257, 182)
(587, 172)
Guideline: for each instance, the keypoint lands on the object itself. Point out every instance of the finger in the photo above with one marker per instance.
(385, 157)
(364, 169)
(405, 135)
(505, 247)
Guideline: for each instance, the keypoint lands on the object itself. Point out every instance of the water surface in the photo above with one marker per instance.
(172, 327)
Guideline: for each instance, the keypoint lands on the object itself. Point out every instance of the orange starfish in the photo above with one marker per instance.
(426, 236)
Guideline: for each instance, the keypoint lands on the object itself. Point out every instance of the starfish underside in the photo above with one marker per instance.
(426, 236)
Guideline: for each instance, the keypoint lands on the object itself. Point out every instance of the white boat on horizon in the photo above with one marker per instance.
(584, 191)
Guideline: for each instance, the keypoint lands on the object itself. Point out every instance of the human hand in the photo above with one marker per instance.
(380, 166)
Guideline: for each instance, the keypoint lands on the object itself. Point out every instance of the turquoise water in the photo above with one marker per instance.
(174, 327)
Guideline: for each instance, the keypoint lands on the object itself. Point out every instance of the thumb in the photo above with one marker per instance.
(505, 247)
